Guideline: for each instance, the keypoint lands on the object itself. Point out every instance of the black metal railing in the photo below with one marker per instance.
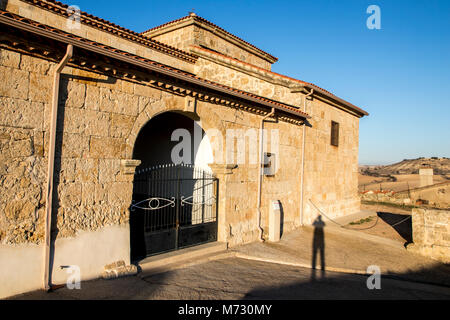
(176, 206)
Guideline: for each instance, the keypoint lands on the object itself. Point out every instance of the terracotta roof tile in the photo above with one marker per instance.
(161, 66)
(107, 26)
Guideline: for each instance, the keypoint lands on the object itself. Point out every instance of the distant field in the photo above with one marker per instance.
(363, 179)
(403, 182)
(411, 166)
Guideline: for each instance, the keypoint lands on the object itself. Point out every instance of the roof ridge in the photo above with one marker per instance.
(194, 17)
(165, 24)
(52, 5)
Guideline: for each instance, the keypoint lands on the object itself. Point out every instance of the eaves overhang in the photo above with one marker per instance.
(318, 91)
(34, 27)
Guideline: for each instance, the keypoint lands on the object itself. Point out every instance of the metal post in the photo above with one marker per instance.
(203, 197)
(177, 214)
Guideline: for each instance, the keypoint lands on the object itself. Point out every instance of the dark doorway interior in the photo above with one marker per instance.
(153, 145)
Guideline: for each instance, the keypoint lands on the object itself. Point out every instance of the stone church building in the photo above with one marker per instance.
(91, 114)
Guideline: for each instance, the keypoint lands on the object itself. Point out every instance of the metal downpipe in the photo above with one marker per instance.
(51, 165)
(260, 171)
(303, 159)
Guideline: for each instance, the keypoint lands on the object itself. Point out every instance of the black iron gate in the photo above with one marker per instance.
(174, 206)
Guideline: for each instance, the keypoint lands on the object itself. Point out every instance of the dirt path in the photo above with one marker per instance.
(388, 222)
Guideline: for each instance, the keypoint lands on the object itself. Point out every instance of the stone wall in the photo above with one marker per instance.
(431, 233)
(184, 37)
(239, 78)
(92, 188)
(22, 164)
(95, 122)
(331, 173)
(241, 222)
(99, 120)
(387, 196)
(100, 117)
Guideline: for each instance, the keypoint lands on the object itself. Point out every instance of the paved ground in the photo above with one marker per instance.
(234, 278)
(348, 251)
(251, 275)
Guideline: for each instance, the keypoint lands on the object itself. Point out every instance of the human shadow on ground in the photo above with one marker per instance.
(333, 285)
(318, 247)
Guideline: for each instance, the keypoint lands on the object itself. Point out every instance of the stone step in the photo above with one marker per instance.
(181, 258)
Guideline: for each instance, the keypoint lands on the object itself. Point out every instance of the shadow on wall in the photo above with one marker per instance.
(3, 4)
(404, 229)
(63, 91)
(281, 219)
(63, 97)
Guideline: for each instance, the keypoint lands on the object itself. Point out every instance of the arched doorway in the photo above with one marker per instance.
(174, 192)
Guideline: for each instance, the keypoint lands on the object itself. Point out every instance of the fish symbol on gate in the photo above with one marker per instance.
(154, 203)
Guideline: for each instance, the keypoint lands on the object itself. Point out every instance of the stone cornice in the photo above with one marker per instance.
(128, 166)
(222, 168)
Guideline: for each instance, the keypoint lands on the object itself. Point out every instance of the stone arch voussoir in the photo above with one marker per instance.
(207, 116)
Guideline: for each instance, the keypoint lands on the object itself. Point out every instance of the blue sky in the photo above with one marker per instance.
(399, 74)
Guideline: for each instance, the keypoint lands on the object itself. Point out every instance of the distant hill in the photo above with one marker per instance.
(440, 166)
